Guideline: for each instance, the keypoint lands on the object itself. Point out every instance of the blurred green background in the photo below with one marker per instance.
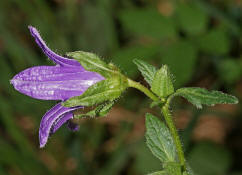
(201, 41)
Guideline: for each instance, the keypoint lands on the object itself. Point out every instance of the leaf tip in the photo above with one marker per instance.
(236, 100)
(136, 61)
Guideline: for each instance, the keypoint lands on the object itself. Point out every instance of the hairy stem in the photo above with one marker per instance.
(168, 118)
(143, 89)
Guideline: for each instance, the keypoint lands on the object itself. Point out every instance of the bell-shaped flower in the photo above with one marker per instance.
(60, 82)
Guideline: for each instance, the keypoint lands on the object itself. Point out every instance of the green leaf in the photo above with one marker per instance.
(159, 139)
(147, 70)
(162, 84)
(100, 111)
(159, 173)
(200, 96)
(106, 90)
(92, 62)
(172, 168)
(148, 22)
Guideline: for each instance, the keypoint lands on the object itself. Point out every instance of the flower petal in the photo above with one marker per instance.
(54, 82)
(63, 119)
(52, 55)
(56, 116)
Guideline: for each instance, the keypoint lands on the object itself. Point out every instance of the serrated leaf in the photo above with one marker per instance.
(106, 90)
(172, 168)
(162, 84)
(91, 62)
(200, 96)
(159, 139)
(100, 111)
(148, 71)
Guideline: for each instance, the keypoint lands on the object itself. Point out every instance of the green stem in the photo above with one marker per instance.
(143, 89)
(167, 115)
(168, 118)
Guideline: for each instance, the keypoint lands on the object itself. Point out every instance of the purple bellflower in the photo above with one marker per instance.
(60, 82)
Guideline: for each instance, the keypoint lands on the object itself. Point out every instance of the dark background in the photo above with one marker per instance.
(201, 41)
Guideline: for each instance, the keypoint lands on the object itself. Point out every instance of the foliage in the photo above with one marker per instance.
(159, 139)
(199, 97)
(148, 71)
(200, 41)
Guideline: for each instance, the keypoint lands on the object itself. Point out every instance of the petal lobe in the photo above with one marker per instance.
(53, 120)
(52, 55)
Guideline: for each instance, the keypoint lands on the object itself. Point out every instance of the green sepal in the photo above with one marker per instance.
(200, 96)
(148, 71)
(162, 84)
(100, 111)
(93, 63)
(103, 91)
(159, 139)
(106, 108)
